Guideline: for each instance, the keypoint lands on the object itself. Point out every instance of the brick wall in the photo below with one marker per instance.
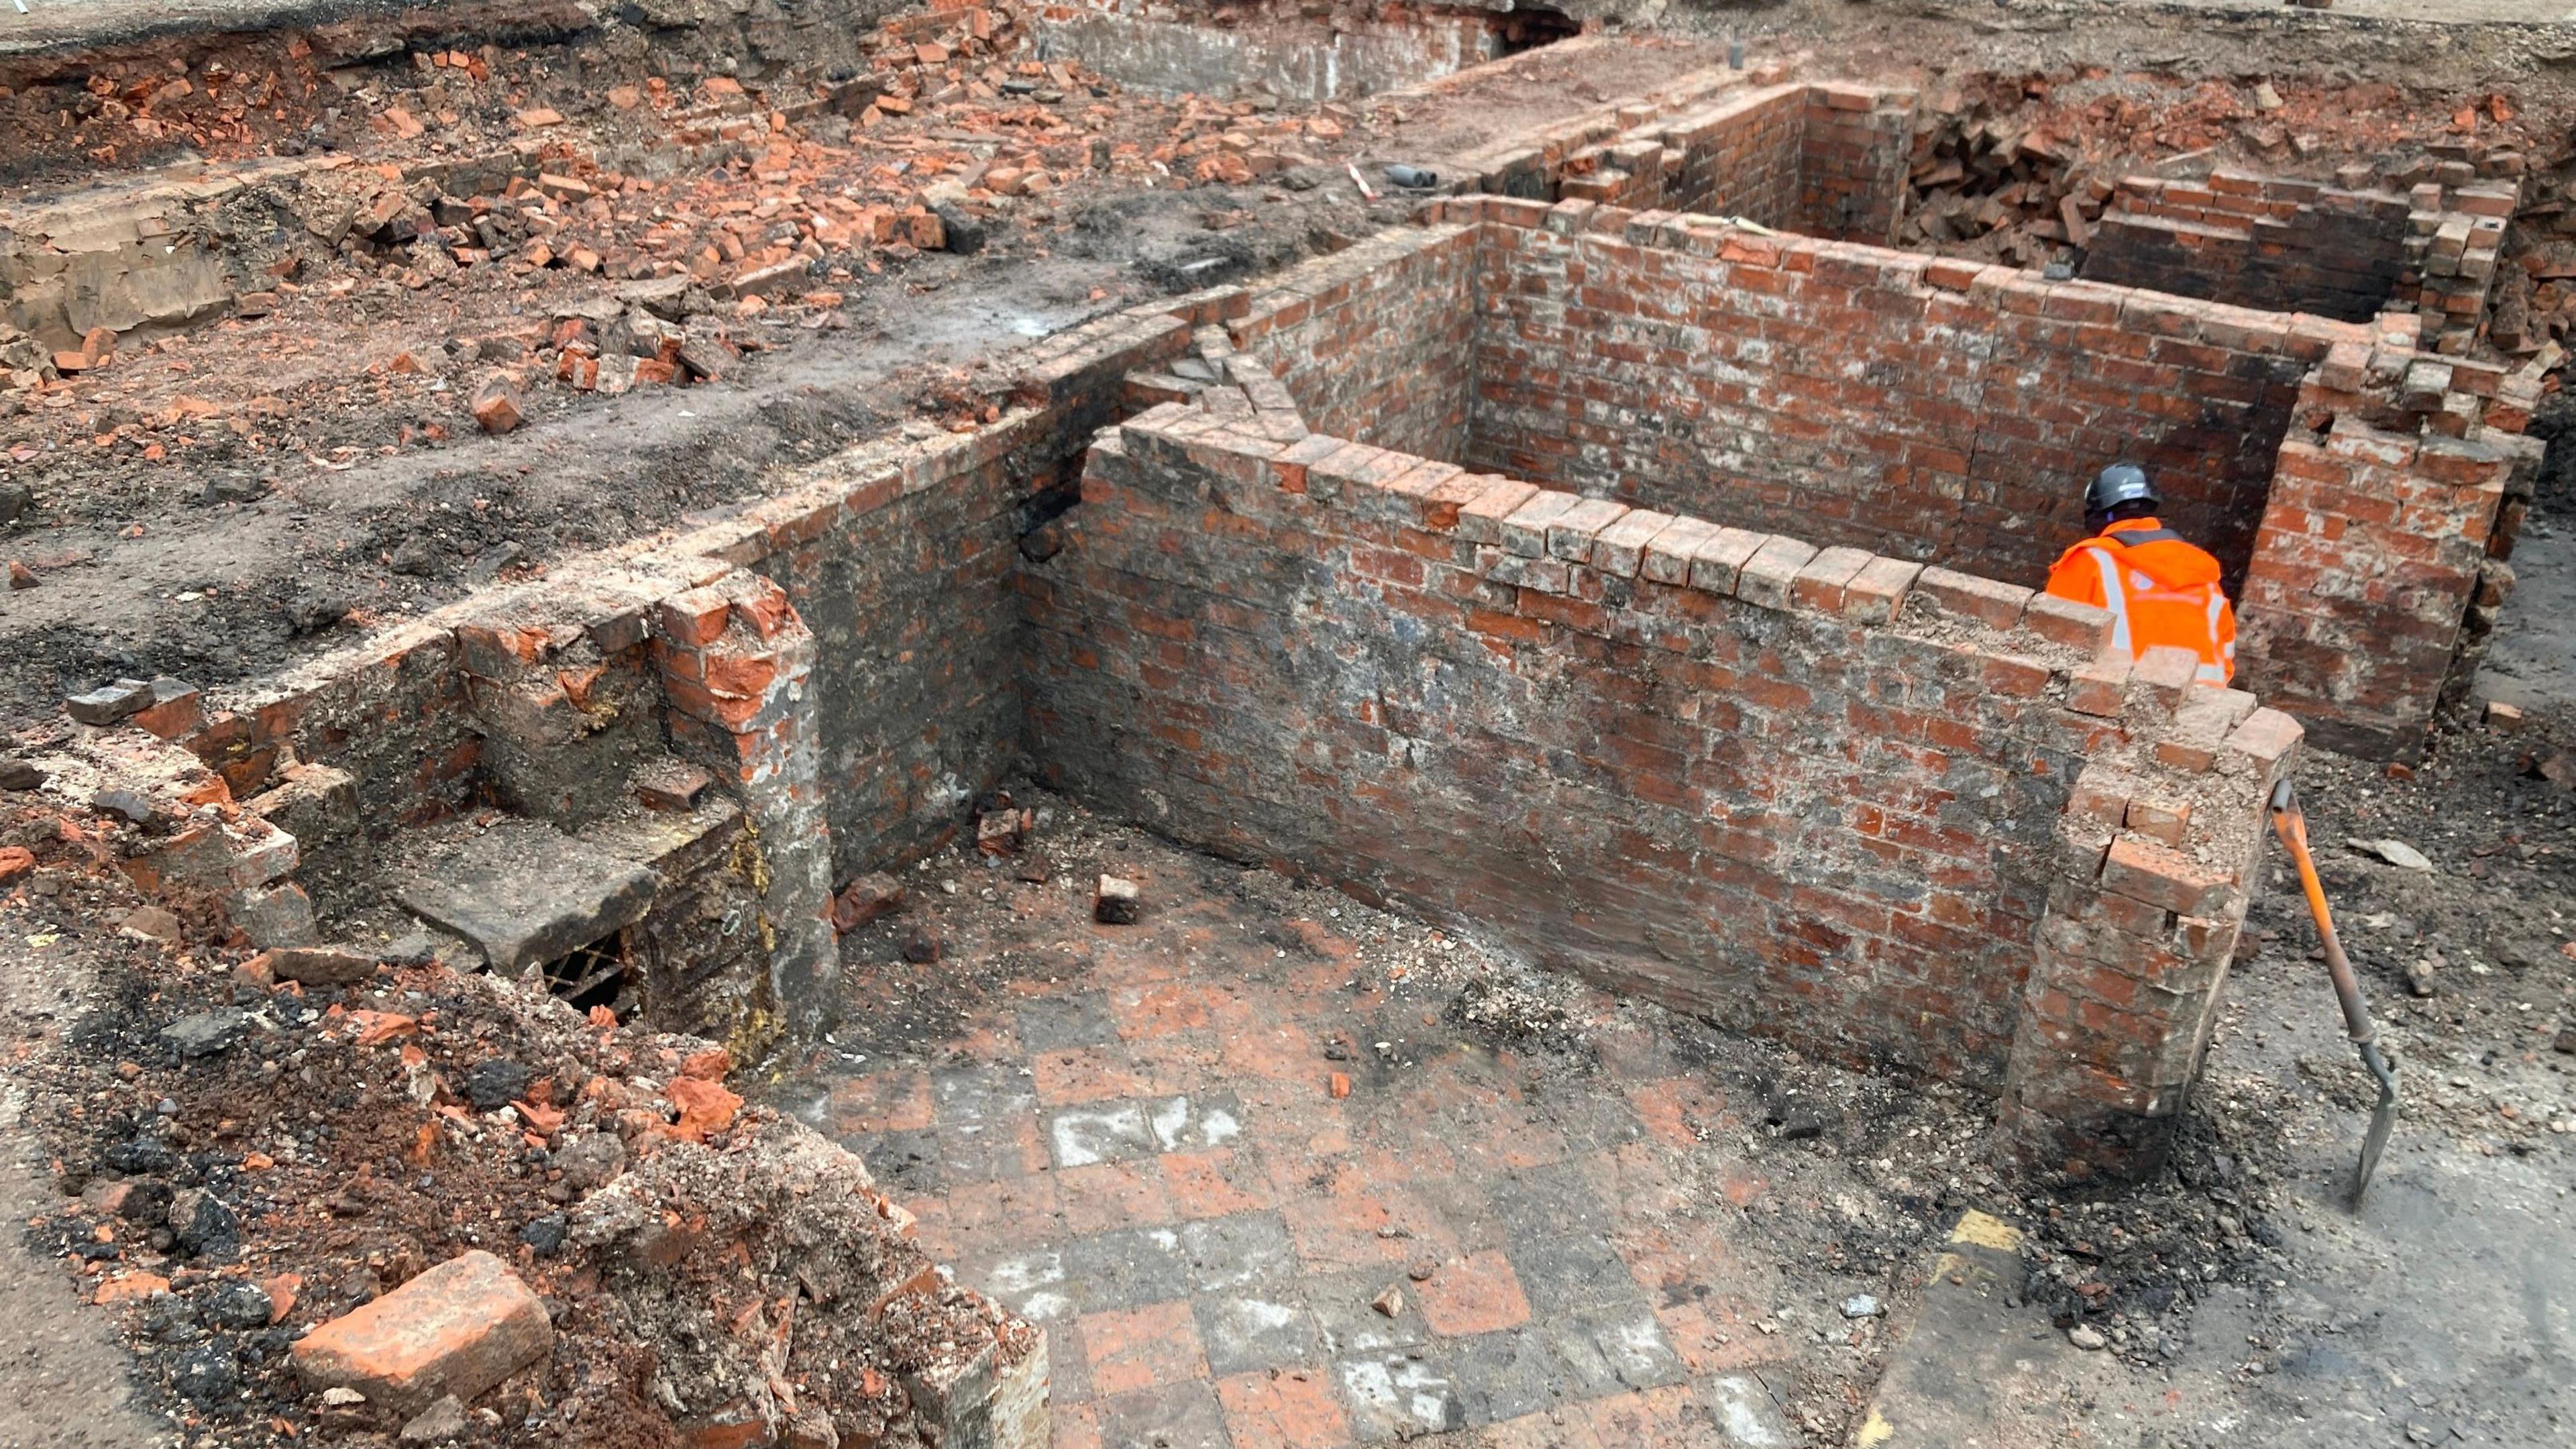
(2371, 555)
(842, 657)
(1375, 342)
(1814, 793)
(2299, 246)
(1825, 160)
(1852, 160)
(1743, 157)
(2274, 243)
(1880, 399)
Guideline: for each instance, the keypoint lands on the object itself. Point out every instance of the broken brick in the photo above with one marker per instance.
(458, 1328)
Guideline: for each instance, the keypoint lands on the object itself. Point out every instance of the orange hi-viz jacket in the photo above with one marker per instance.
(2159, 589)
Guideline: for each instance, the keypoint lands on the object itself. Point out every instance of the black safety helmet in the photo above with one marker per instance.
(2120, 483)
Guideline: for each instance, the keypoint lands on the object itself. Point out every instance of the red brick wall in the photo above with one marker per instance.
(1737, 807)
(1821, 160)
(1862, 396)
(1852, 160)
(1742, 158)
(1376, 342)
(2368, 561)
(1810, 793)
(2268, 242)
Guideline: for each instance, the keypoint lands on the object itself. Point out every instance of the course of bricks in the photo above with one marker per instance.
(2277, 244)
(1807, 792)
(1144, 1150)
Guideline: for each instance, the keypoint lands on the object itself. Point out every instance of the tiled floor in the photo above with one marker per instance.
(1147, 1154)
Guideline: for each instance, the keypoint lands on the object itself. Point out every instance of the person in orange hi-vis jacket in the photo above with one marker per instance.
(2159, 587)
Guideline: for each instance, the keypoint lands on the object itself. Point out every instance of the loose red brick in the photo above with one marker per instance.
(458, 1328)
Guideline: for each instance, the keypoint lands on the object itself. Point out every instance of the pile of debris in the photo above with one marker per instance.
(332, 1197)
(2535, 289)
(1999, 187)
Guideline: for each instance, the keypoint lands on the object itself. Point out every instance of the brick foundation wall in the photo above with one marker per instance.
(1824, 160)
(1814, 793)
(860, 684)
(1740, 158)
(1880, 399)
(1376, 342)
(2266, 242)
(1852, 160)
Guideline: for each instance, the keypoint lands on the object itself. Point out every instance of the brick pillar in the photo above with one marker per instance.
(2156, 859)
(2368, 560)
(1852, 162)
(736, 663)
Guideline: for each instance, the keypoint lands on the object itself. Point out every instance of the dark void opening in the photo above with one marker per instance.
(592, 975)
(1529, 29)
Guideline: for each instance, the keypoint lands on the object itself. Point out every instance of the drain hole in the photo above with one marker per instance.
(1529, 29)
(592, 975)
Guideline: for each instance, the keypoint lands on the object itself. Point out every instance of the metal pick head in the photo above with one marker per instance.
(2383, 1118)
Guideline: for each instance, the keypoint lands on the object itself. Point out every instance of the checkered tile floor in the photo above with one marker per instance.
(1146, 1155)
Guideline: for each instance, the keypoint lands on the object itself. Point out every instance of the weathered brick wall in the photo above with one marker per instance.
(1376, 341)
(2157, 853)
(1909, 405)
(1728, 797)
(858, 685)
(905, 583)
(1742, 157)
(2371, 556)
(2274, 243)
(1852, 158)
(1824, 160)
(1809, 793)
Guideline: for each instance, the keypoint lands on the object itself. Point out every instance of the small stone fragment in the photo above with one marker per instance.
(207, 1374)
(496, 407)
(2503, 718)
(2085, 1336)
(496, 1082)
(112, 703)
(1421, 1270)
(675, 785)
(2396, 852)
(203, 1224)
(206, 1033)
(1863, 1305)
(440, 1422)
(1117, 901)
(322, 965)
(1389, 1303)
(547, 1234)
(21, 576)
(236, 1303)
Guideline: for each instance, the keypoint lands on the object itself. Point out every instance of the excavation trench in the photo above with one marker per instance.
(1626, 566)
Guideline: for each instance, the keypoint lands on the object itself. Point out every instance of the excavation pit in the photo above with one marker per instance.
(1626, 567)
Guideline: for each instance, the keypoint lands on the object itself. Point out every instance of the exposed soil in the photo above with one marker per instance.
(233, 1162)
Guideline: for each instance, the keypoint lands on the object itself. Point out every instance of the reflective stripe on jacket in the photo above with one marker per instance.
(2159, 589)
